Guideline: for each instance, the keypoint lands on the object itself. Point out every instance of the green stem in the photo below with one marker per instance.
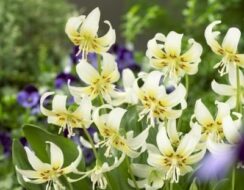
(130, 172)
(171, 186)
(186, 85)
(99, 65)
(91, 142)
(233, 179)
(238, 93)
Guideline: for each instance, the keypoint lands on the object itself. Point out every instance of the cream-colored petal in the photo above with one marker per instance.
(190, 69)
(185, 169)
(223, 110)
(231, 40)
(211, 36)
(59, 103)
(115, 117)
(28, 173)
(139, 140)
(202, 114)
(87, 72)
(91, 23)
(232, 76)
(196, 157)
(56, 154)
(128, 78)
(84, 109)
(172, 131)
(194, 53)
(217, 148)
(140, 170)
(45, 111)
(163, 142)
(152, 80)
(172, 44)
(154, 49)
(35, 181)
(240, 62)
(223, 89)
(231, 131)
(155, 160)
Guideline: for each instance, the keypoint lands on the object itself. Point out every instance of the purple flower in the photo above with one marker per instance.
(6, 142)
(28, 97)
(124, 58)
(62, 79)
(73, 55)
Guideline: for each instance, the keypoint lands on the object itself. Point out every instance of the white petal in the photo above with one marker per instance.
(59, 103)
(86, 72)
(115, 117)
(45, 111)
(173, 43)
(154, 49)
(155, 160)
(222, 89)
(140, 170)
(152, 80)
(85, 143)
(223, 110)
(202, 114)
(231, 130)
(217, 148)
(231, 40)
(28, 173)
(128, 78)
(163, 142)
(172, 131)
(139, 140)
(84, 109)
(232, 76)
(73, 166)
(56, 154)
(194, 53)
(91, 23)
(196, 157)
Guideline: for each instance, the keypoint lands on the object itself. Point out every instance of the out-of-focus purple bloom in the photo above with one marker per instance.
(28, 97)
(124, 58)
(23, 141)
(62, 79)
(73, 55)
(6, 142)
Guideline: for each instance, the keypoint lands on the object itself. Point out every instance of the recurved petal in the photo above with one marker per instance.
(172, 44)
(73, 166)
(154, 49)
(190, 68)
(152, 80)
(223, 110)
(45, 111)
(72, 28)
(59, 104)
(28, 173)
(140, 170)
(115, 117)
(163, 142)
(202, 114)
(194, 53)
(211, 36)
(56, 154)
(195, 157)
(128, 78)
(91, 23)
(231, 40)
(139, 140)
(84, 109)
(231, 130)
(172, 131)
(86, 72)
(155, 160)
(223, 89)
(35, 181)
(218, 148)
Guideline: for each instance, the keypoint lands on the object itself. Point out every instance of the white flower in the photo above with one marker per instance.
(97, 173)
(213, 126)
(109, 128)
(165, 54)
(157, 104)
(129, 94)
(228, 48)
(45, 172)
(175, 155)
(152, 178)
(230, 90)
(83, 30)
(98, 83)
(60, 116)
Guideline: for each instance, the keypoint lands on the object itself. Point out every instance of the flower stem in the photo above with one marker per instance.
(99, 65)
(233, 179)
(171, 186)
(130, 172)
(186, 85)
(91, 142)
(238, 93)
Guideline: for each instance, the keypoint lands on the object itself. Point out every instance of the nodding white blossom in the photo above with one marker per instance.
(165, 54)
(64, 118)
(151, 178)
(213, 126)
(82, 31)
(231, 89)
(97, 173)
(157, 104)
(227, 50)
(48, 173)
(129, 94)
(98, 83)
(175, 155)
(109, 128)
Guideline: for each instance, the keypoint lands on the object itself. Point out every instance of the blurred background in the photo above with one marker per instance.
(36, 55)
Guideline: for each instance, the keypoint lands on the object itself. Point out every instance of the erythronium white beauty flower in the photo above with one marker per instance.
(97, 173)
(230, 90)
(48, 173)
(109, 128)
(175, 158)
(82, 31)
(210, 125)
(129, 94)
(165, 54)
(228, 48)
(157, 104)
(60, 116)
(152, 178)
(98, 83)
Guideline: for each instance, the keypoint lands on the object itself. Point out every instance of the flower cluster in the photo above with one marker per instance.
(159, 98)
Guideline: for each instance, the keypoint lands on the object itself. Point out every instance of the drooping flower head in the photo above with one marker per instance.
(227, 50)
(97, 83)
(28, 97)
(48, 172)
(64, 118)
(165, 54)
(82, 31)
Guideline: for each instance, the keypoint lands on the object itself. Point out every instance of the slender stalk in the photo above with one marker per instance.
(99, 65)
(91, 142)
(238, 91)
(233, 179)
(186, 85)
(171, 186)
(130, 172)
